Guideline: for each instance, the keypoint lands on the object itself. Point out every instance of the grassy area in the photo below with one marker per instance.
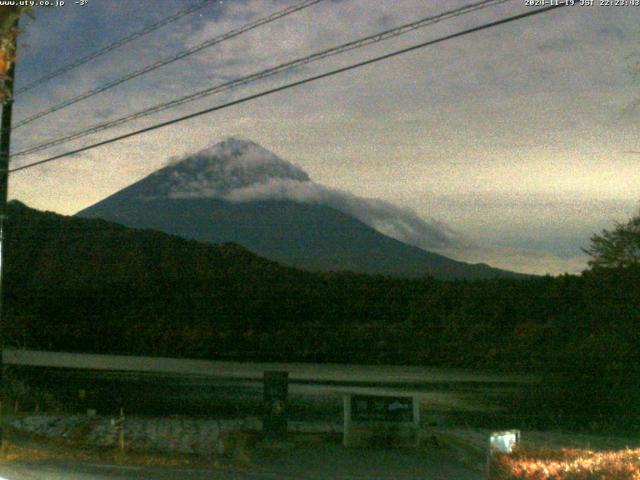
(470, 445)
(566, 464)
(20, 445)
(239, 448)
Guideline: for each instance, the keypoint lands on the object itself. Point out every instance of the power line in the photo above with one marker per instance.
(168, 60)
(287, 66)
(295, 84)
(117, 44)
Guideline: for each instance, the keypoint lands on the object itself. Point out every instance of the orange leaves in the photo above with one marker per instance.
(7, 57)
(567, 464)
(7, 51)
(8, 35)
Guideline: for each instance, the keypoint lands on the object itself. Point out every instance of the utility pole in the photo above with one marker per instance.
(5, 141)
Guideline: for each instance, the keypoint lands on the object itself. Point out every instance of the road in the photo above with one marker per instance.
(319, 462)
(255, 370)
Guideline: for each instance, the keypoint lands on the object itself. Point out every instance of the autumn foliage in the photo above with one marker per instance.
(7, 51)
(567, 464)
(8, 35)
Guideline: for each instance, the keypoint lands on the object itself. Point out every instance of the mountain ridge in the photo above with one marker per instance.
(237, 191)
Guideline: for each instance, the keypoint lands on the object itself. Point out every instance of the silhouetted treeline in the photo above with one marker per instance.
(87, 285)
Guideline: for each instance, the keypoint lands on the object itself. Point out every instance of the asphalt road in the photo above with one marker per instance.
(254, 370)
(319, 462)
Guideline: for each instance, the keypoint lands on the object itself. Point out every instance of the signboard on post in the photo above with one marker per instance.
(381, 420)
(276, 389)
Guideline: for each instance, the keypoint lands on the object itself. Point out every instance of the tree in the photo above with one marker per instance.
(8, 33)
(617, 248)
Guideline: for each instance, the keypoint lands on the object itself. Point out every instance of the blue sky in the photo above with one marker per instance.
(514, 137)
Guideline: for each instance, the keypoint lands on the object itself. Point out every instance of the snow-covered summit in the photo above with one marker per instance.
(223, 167)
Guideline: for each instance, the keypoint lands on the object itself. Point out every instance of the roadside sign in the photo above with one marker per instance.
(381, 420)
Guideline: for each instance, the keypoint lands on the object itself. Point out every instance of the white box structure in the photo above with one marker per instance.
(503, 442)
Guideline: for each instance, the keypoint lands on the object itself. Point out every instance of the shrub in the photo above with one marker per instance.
(567, 464)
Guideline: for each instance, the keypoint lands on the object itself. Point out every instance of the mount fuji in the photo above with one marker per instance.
(237, 191)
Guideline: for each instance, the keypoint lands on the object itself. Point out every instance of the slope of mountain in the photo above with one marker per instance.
(236, 191)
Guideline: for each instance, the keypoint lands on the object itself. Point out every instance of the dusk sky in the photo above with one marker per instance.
(518, 137)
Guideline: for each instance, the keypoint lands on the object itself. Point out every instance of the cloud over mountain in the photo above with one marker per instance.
(242, 171)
